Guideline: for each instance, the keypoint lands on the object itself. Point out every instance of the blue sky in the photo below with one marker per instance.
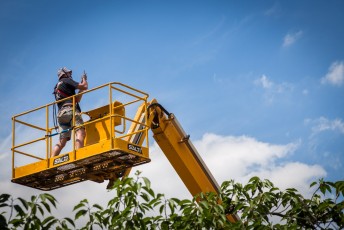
(265, 81)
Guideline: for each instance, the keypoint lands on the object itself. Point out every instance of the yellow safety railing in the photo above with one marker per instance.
(114, 89)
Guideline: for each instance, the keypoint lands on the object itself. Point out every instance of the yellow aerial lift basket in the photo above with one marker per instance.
(116, 140)
(110, 147)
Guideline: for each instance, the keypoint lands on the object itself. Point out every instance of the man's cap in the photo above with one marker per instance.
(63, 71)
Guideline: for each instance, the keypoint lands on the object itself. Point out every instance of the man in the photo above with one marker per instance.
(65, 88)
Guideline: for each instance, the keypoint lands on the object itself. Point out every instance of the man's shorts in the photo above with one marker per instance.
(65, 120)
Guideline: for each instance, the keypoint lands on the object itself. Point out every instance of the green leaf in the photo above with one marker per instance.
(172, 206)
(50, 224)
(161, 209)
(80, 205)
(70, 221)
(184, 202)
(24, 202)
(80, 213)
(17, 222)
(4, 197)
(149, 190)
(19, 210)
(147, 182)
(322, 188)
(97, 206)
(51, 199)
(3, 223)
(254, 179)
(40, 210)
(47, 207)
(176, 200)
(204, 204)
(313, 183)
(48, 219)
(145, 197)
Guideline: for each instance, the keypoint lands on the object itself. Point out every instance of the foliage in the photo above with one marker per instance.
(33, 214)
(259, 204)
(136, 206)
(259, 201)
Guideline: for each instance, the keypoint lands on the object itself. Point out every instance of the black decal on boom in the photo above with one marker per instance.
(135, 148)
(61, 159)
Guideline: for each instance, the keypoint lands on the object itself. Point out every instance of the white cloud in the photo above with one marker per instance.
(217, 79)
(324, 124)
(274, 10)
(272, 89)
(270, 11)
(264, 82)
(5, 146)
(240, 158)
(292, 175)
(291, 38)
(335, 74)
(321, 128)
(231, 157)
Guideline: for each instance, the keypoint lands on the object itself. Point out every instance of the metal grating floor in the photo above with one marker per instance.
(96, 168)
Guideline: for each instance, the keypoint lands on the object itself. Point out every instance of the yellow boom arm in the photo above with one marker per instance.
(179, 150)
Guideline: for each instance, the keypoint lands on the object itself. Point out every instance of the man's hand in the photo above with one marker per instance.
(83, 85)
(84, 76)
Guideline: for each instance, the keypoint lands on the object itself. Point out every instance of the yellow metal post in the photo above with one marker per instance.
(73, 129)
(111, 129)
(146, 123)
(13, 144)
(47, 133)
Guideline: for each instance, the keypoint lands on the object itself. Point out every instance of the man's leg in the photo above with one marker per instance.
(80, 132)
(59, 146)
(80, 137)
(63, 118)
